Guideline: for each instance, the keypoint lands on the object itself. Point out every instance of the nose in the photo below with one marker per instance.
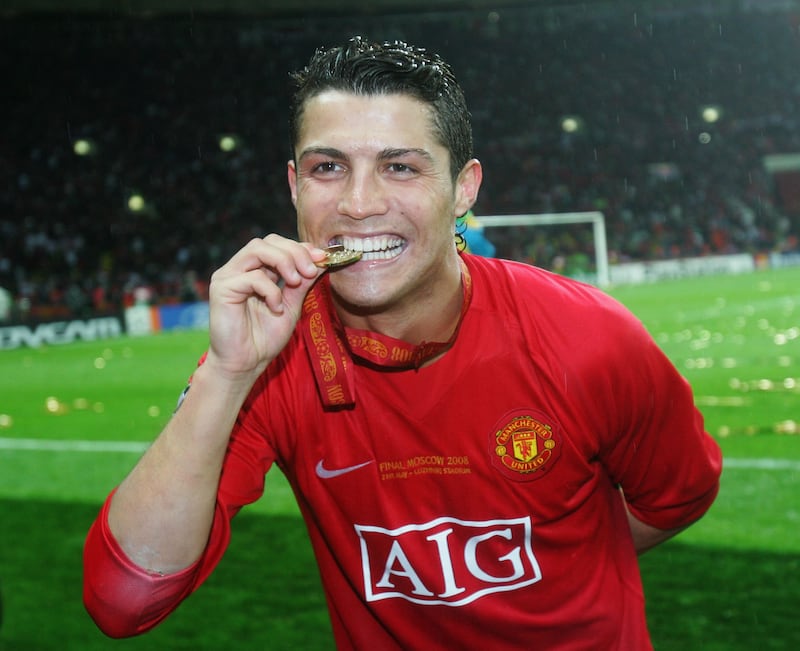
(363, 196)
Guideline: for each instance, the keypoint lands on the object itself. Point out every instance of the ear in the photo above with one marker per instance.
(467, 185)
(291, 173)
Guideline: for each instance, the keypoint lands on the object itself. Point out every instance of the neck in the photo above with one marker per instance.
(433, 316)
(323, 338)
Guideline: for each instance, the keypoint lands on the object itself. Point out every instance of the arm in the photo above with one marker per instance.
(161, 514)
(668, 492)
(646, 537)
(160, 517)
(657, 450)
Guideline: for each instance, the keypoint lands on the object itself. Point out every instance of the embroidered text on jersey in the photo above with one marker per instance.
(525, 444)
(325, 473)
(447, 561)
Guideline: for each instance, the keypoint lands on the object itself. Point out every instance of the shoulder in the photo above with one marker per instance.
(535, 290)
(573, 322)
(526, 276)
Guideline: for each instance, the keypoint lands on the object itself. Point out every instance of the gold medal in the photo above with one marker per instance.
(338, 256)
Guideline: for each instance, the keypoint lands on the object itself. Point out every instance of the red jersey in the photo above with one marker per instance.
(473, 502)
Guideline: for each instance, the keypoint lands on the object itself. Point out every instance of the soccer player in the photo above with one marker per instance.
(479, 448)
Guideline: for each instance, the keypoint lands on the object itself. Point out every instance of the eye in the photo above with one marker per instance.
(327, 167)
(400, 168)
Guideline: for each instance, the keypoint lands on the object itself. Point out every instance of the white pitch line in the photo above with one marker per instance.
(761, 464)
(137, 447)
(54, 445)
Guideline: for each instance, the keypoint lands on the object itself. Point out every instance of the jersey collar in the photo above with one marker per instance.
(332, 347)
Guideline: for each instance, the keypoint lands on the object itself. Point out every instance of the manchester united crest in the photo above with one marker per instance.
(525, 444)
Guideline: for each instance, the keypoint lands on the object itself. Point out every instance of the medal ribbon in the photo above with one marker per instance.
(331, 357)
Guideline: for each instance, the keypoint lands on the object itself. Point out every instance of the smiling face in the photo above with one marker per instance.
(370, 174)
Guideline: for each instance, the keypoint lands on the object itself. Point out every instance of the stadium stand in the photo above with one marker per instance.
(151, 97)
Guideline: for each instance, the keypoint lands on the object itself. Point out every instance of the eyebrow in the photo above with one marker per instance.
(386, 154)
(327, 152)
(399, 153)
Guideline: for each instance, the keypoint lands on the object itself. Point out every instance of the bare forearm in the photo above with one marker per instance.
(162, 512)
(646, 537)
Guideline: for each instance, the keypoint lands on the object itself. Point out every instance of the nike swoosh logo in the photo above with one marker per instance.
(324, 473)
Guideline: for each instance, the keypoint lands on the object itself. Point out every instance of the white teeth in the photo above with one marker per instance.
(382, 246)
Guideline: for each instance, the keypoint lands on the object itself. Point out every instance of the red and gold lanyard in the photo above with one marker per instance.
(332, 346)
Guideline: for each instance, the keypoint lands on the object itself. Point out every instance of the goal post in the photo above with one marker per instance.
(595, 218)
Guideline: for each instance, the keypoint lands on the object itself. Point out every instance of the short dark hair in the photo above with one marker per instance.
(365, 68)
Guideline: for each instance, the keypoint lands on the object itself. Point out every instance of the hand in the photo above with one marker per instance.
(255, 302)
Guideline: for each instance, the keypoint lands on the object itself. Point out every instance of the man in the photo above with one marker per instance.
(479, 448)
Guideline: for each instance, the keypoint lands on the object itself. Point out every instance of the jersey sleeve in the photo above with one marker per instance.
(656, 447)
(126, 600)
(635, 411)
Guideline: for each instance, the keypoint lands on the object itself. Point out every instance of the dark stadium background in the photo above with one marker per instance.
(149, 88)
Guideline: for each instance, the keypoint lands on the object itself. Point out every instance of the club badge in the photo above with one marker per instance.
(525, 444)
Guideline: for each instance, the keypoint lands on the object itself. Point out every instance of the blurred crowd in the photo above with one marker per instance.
(152, 97)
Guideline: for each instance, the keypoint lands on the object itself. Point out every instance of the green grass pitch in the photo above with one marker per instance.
(731, 582)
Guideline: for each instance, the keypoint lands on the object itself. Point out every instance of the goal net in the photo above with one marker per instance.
(571, 243)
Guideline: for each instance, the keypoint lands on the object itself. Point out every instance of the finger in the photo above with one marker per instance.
(317, 254)
(298, 261)
(288, 259)
(235, 290)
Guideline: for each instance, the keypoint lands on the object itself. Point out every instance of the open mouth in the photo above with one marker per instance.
(384, 247)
